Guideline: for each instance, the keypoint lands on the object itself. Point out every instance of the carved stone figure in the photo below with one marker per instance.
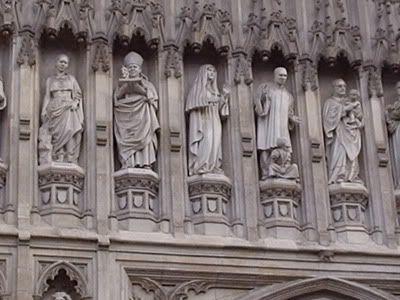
(135, 112)
(61, 296)
(343, 120)
(393, 121)
(206, 105)
(281, 165)
(275, 117)
(3, 99)
(62, 117)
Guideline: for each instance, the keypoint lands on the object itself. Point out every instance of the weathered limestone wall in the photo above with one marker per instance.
(341, 246)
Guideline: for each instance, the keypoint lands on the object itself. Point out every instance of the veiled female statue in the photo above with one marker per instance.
(393, 121)
(62, 116)
(135, 112)
(206, 105)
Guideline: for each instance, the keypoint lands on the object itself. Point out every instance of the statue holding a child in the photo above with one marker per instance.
(343, 121)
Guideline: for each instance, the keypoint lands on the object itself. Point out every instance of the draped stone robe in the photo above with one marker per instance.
(136, 123)
(343, 141)
(63, 107)
(277, 103)
(393, 120)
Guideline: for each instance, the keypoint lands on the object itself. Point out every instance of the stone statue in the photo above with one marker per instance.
(62, 117)
(274, 106)
(281, 165)
(393, 122)
(343, 120)
(206, 105)
(135, 115)
(61, 296)
(3, 99)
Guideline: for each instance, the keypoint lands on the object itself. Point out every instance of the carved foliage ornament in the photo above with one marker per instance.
(26, 53)
(173, 64)
(126, 18)
(101, 61)
(243, 70)
(263, 34)
(208, 23)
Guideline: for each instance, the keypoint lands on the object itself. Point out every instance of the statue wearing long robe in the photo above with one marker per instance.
(393, 121)
(135, 122)
(205, 106)
(343, 137)
(64, 117)
(274, 121)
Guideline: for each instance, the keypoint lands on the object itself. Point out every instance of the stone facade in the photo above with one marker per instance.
(93, 227)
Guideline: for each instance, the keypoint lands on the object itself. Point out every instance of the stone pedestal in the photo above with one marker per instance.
(60, 188)
(280, 199)
(210, 204)
(136, 199)
(348, 204)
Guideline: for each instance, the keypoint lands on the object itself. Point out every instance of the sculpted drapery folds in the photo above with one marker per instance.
(62, 117)
(343, 120)
(135, 115)
(393, 122)
(274, 107)
(206, 106)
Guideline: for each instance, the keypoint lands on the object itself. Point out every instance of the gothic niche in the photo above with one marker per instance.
(343, 125)
(207, 109)
(391, 89)
(61, 288)
(4, 120)
(61, 132)
(136, 130)
(276, 126)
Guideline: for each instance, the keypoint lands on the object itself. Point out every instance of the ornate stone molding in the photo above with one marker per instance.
(280, 199)
(198, 24)
(26, 54)
(263, 34)
(60, 187)
(102, 57)
(173, 62)
(127, 18)
(310, 76)
(136, 195)
(48, 271)
(243, 70)
(331, 40)
(348, 205)
(210, 199)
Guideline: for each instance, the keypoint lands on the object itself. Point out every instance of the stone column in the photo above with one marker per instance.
(382, 201)
(172, 142)
(101, 92)
(23, 149)
(316, 207)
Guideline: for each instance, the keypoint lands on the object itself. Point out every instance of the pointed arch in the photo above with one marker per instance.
(302, 287)
(50, 272)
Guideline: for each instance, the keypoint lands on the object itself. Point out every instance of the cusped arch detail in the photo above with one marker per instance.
(288, 290)
(51, 271)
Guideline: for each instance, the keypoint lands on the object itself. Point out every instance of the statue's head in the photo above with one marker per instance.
(354, 95)
(61, 296)
(280, 76)
(211, 72)
(62, 63)
(133, 63)
(282, 143)
(339, 88)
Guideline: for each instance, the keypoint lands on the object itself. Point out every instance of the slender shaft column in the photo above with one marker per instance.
(382, 207)
(316, 209)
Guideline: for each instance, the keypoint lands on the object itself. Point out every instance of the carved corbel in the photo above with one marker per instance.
(242, 68)
(26, 54)
(310, 81)
(173, 63)
(101, 60)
